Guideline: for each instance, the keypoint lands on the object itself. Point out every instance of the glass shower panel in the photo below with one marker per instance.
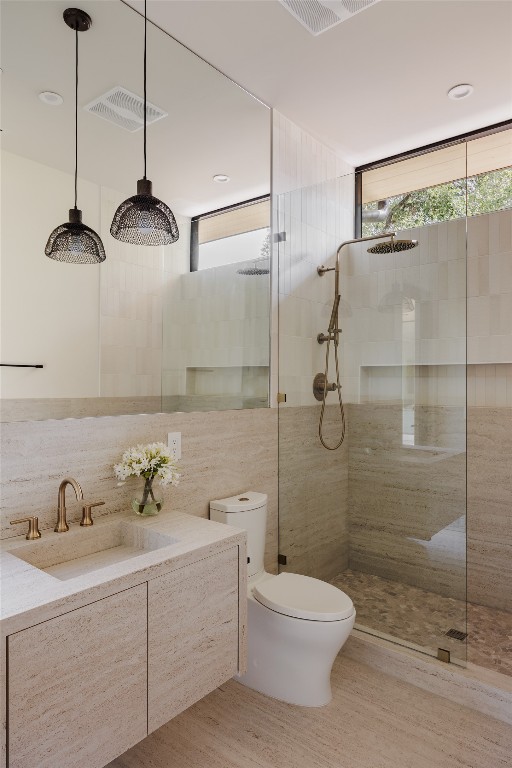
(312, 481)
(384, 516)
(407, 443)
(216, 338)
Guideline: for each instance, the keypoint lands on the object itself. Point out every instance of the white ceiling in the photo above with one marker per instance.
(213, 126)
(370, 87)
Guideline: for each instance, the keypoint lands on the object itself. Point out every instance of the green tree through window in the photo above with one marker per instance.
(486, 192)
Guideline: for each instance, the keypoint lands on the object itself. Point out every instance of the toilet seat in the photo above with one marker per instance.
(302, 597)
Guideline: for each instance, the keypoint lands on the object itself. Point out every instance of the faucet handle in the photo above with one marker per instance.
(86, 512)
(33, 527)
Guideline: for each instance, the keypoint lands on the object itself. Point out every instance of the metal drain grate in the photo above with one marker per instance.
(456, 634)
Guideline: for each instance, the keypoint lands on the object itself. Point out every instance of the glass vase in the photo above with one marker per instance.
(149, 499)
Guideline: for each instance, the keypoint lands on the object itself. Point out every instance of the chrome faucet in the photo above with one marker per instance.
(62, 525)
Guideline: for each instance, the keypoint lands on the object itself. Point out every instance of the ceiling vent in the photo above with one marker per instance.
(124, 109)
(320, 15)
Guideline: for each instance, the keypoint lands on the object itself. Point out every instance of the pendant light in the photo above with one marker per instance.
(74, 241)
(144, 219)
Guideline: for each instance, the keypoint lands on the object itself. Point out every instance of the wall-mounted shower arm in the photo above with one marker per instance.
(322, 270)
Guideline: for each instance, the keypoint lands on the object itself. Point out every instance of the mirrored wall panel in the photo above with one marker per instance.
(145, 330)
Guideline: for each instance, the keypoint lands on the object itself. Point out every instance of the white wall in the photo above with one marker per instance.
(97, 329)
(49, 309)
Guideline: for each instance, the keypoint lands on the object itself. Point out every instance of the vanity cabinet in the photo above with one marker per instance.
(87, 685)
(77, 685)
(192, 634)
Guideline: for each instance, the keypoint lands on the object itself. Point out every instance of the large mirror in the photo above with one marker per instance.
(151, 328)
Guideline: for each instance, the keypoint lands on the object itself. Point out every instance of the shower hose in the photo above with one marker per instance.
(334, 336)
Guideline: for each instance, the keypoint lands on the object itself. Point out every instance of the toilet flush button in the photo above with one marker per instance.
(243, 498)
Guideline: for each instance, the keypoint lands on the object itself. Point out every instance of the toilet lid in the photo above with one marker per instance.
(304, 598)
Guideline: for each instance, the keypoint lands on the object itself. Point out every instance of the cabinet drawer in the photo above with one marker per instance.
(78, 684)
(192, 634)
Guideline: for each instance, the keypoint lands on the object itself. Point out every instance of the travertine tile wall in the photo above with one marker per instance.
(393, 487)
(313, 495)
(407, 505)
(489, 518)
(489, 425)
(223, 453)
(313, 204)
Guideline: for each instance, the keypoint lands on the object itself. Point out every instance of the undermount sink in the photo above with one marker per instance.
(77, 552)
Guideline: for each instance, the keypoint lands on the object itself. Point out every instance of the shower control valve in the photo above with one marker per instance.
(321, 386)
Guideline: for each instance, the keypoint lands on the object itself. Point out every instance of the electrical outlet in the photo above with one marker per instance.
(174, 443)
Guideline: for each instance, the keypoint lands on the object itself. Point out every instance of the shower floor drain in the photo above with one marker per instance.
(456, 634)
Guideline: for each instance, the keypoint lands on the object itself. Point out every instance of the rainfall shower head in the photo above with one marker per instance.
(254, 270)
(391, 246)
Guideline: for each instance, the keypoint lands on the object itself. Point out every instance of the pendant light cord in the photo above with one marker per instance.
(145, 35)
(76, 113)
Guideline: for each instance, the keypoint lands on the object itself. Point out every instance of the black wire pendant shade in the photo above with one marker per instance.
(144, 219)
(75, 242)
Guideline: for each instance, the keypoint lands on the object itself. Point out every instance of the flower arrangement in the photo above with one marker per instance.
(148, 461)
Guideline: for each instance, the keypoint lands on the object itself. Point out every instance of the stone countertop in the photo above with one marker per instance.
(30, 596)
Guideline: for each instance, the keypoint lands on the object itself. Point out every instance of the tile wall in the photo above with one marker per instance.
(223, 453)
(313, 206)
(132, 291)
(392, 486)
(407, 505)
(301, 165)
(216, 335)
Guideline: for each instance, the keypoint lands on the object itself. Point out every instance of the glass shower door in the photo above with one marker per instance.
(384, 516)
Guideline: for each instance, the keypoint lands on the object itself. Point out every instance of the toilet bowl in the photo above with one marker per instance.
(296, 624)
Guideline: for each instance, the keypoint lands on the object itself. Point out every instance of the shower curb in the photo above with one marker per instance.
(472, 686)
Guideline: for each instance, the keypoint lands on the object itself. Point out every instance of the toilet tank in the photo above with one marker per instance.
(249, 512)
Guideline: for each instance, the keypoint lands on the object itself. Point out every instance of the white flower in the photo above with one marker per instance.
(152, 460)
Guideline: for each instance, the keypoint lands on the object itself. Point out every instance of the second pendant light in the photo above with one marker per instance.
(144, 219)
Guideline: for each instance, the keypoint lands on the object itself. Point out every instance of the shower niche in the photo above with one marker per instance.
(236, 386)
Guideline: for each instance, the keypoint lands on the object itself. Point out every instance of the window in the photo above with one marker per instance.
(240, 233)
(466, 178)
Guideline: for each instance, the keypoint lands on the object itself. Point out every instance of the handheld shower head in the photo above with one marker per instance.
(333, 322)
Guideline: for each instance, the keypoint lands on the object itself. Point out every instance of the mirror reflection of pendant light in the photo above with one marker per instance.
(144, 219)
(75, 242)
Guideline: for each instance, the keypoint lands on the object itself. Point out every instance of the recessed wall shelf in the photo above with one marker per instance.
(246, 380)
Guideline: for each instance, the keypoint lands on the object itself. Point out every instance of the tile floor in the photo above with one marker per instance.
(423, 618)
(373, 721)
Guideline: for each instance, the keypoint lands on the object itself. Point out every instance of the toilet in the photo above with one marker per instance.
(296, 624)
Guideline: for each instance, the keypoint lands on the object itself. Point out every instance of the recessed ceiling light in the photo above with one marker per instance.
(50, 98)
(221, 178)
(461, 91)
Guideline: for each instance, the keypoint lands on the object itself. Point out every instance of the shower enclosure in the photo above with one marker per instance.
(383, 516)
